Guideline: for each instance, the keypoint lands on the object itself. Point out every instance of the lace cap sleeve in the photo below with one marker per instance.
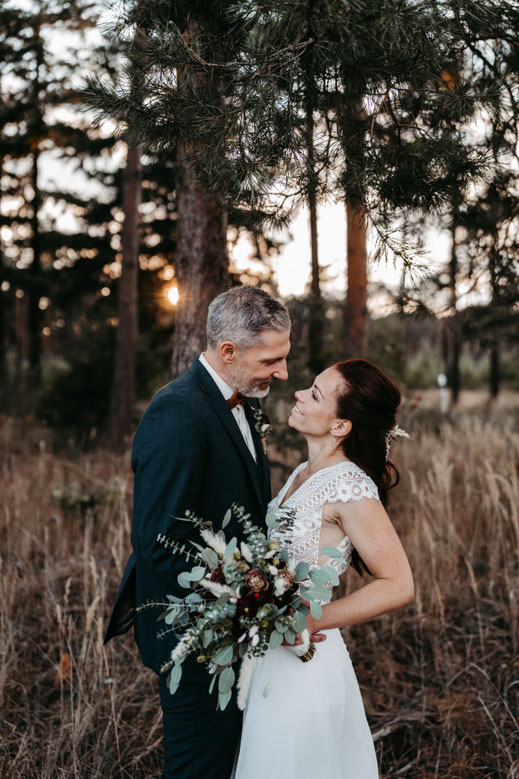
(350, 483)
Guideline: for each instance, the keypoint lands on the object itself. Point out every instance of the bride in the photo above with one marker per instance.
(306, 719)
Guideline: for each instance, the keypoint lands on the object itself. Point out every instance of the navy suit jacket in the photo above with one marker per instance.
(188, 453)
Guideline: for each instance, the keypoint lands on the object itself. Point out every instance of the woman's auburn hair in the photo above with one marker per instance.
(369, 399)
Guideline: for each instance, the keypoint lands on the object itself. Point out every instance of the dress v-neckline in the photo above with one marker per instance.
(291, 481)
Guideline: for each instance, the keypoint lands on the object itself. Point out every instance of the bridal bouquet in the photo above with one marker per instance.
(244, 599)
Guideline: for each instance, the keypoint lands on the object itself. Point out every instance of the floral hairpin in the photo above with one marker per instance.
(395, 432)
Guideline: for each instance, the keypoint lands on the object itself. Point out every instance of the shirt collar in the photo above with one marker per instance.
(222, 385)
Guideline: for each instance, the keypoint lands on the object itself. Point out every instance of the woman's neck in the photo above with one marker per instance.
(323, 453)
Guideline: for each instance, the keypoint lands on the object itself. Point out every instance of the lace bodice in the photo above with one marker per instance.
(343, 482)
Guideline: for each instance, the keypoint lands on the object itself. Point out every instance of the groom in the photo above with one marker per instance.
(197, 448)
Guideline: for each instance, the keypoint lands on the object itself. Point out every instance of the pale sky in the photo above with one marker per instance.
(293, 266)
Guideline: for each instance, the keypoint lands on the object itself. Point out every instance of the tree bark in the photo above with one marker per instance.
(201, 263)
(356, 306)
(121, 401)
(453, 342)
(315, 319)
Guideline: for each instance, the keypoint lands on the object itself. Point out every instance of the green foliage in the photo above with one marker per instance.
(76, 400)
(387, 347)
(424, 367)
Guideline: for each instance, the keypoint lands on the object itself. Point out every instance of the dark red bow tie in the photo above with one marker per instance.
(236, 400)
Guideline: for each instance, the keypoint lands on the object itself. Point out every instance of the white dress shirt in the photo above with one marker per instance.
(238, 411)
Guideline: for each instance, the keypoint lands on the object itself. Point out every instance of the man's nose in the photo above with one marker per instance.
(282, 372)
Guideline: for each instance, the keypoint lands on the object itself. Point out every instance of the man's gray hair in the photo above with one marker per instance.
(241, 314)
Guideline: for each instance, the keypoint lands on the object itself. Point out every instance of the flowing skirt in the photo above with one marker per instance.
(306, 720)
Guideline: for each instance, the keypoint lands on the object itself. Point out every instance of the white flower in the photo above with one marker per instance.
(219, 589)
(244, 680)
(273, 570)
(214, 541)
(181, 649)
(255, 640)
(245, 552)
(253, 630)
(280, 585)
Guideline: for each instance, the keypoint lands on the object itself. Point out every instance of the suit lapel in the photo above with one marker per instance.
(262, 462)
(225, 415)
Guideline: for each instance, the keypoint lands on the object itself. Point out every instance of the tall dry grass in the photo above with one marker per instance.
(440, 678)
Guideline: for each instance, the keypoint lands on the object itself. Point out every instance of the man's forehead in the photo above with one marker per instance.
(273, 344)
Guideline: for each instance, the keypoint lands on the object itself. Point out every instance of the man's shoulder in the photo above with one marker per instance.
(184, 391)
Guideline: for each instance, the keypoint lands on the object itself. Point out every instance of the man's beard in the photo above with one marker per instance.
(250, 389)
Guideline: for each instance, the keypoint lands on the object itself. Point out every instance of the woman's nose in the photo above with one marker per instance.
(299, 395)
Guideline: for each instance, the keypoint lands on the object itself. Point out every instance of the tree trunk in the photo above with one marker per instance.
(453, 341)
(315, 322)
(356, 310)
(315, 319)
(34, 292)
(121, 401)
(201, 263)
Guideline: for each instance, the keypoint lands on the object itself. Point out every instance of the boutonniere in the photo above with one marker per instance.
(262, 426)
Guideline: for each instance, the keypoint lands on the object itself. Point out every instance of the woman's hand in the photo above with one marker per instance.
(313, 627)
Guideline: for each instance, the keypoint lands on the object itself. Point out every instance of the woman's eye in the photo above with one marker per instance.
(314, 395)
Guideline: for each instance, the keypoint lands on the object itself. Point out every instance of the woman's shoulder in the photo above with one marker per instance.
(349, 482)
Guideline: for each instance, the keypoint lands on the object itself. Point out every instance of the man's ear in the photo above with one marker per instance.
(341, 428)
(228, 351)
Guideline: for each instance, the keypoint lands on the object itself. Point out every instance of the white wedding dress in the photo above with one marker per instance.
(307, 720)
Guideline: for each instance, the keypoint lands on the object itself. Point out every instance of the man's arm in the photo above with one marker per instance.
(168, 461)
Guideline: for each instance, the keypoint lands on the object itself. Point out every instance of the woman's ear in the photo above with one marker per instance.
(341, 428)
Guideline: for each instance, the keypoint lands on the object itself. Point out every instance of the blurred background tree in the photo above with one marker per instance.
(242, 113)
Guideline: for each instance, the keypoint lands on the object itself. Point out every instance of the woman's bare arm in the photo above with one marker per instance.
(371, 532)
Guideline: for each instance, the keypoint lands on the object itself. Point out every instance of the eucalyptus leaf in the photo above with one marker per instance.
(290, 636)
(224, 655)
(211, 686)
(280, 626)
(171, 616)
(276, 639)
(230, 548)
(284, 555)
(299, 622)
(174, 678)
(316, 610)
(223, 598)
(224, 698)
(333, 576)
(332, 551)
(207, 637)
(318, 576)
(319, 593)
(227, 518)
(226, 680)
(193, 598)
(183, 580)
(271, 520)
(197, 573)
(173, 598)
(210, 557)
(301, 572)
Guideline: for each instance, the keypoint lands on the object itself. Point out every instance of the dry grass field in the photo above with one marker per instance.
(440, 678)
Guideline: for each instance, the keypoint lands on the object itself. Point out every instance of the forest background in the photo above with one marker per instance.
(143, 148)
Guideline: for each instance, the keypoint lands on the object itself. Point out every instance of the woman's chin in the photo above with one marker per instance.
(293, 421)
